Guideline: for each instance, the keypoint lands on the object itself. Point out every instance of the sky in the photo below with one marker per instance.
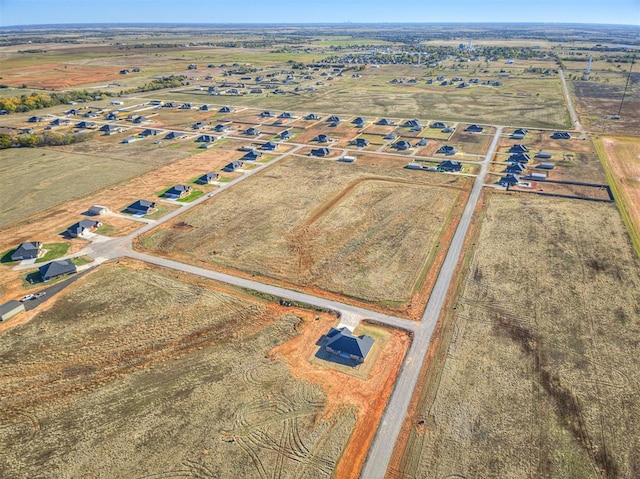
(34, 12)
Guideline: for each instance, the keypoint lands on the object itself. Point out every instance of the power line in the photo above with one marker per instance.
(626, 85)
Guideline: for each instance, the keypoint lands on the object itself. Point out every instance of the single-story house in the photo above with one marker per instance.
(285, 114)
(208, 178)
(437, 124)
(447, 129)
(86, 124)
(60, 122)
(149, 132)
(401, 145)
(474, 129)
(177, 191)
(320, 152)
(27, 250)
(252, 155)
(390, 136)
(312, 116)
(265, 114)
(519, 133)
(415, 123)
(142, 207)
(269, 146)
(83, 227)
(360, 142)
(446, 150)
(233, 166)
(219, 128)
(251, 131)
(110, 129)
(97, 210)
(9, 309)
(450, 165)
(422, 142)
(205, 139)
(36, 119)
(518, 149)
(359, 121)
(204, 108)
(333, 119)
(225, 109)
(345, 344)
(140, 119)
(198, 125)
(175, 135)
(284, 135)
(322, 138)
(186, 106)
(509, 179)
(112, 116)
(543, 155)
(519, 158)
(57, 268)
(561, 135)
(385, 122)
(516, 168)
(546, 165)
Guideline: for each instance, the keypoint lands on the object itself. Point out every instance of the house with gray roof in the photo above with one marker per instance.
(252, 155)
(320, 152)
(516, 168)
(509, 180)
(56, 269)
(518, 149)
(474, 129)
(225, 109)
(345, 344)
(233, 166)
(208, 178)
(447, 150)
(519, 158)
(450, 165)
(284, 135)
(561, 135)
(205, 139)
(322, 138)
(142, 207)
(27, 250)
(312, 116)
(360, 142)
(175, 135)
(109, 129)
(251, 131)
(269, 146)
(177, 191)
(82, 227)
(401, 145)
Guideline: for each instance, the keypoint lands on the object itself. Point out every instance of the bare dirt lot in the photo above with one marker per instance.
(536, 373)
(137, 372)
(362, 232)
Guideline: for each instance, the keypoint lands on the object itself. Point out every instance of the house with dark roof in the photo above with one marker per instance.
(385, 122)
(233, 166)
(56, 269)
(110, 129)
(561, 135)
(437, 124)
(320, 152)
(225, 109)
(204, 108)
(333, 119)
(515, 168)
(322, 138)
(186, 106)
(27, 250)
(141, 207)
(269, 146)
(518, 149)
(519, 133)
(219, 128)
(285, 114)
(36, 119)
(447, 129)
(447, 150)
(82, 227)
(415, 123)
(546, 165)
(198, 125)
(284, 135)
(175, 135)
(359, 121)
(345, 344)
(543, 155)
(519, 158)
(450, 165)
(312, 116)
(251, 131)
(140, 119)
(208, 178)
(252, 155)
(360, 142)
(401, 145)
(177, 191)
(60, 122)
(111, 116)
(205, 139)
(474, 129)
(422, 142)
(86, 124)
(509, 180)
(149, 132)
(265, 114)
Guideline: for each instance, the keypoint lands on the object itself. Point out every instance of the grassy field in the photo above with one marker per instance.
(359, 231)
(45, 177)
(138, 373)
(536, 372)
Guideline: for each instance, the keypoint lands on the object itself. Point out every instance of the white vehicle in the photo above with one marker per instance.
(28, 297)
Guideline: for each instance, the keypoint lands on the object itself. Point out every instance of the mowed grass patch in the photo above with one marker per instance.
(41, 178)
(160, 356)
(358, 231)
(539, 374)
(54, 251)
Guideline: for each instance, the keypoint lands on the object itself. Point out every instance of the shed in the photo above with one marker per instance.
(343, 343)
(131, 139)
(347, 159)
(546, 165)
(27, 250)
(97, 210)
(10, 309)
(536, 176)
(543, 155)
(56, 269)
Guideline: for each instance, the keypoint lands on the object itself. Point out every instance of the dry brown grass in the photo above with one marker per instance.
(539, 375)
(138, 372)
(359, 231)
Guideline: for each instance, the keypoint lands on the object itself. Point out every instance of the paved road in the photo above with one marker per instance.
(572, 112)
(394, 416)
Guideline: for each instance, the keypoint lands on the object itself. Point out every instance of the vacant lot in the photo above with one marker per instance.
(137, 372)
(358, 231)
(536, 374)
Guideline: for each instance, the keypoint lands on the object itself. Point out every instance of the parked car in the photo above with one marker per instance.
(40, 294)
(28, 297)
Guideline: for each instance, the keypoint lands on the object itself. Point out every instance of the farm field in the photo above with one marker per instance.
(138, 359)
(361, 232)
(535, 373)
